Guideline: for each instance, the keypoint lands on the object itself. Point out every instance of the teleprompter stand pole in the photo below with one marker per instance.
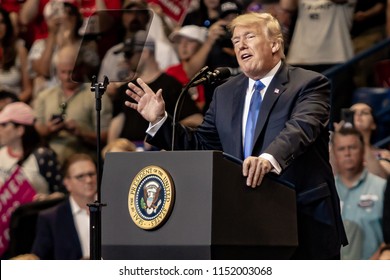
(95, 208)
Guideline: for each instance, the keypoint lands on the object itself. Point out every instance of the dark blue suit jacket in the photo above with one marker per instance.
(293, 127)
(56, 234)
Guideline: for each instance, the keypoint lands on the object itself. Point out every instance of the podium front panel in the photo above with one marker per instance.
(189, 225)
(215, 215)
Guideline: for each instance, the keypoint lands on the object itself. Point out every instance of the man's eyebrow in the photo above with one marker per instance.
(244, 34)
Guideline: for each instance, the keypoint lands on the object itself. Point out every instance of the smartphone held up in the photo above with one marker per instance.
(347, 115)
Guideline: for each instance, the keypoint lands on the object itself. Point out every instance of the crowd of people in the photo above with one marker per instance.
(53, 52)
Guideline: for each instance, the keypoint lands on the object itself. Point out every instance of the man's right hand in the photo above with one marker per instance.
(254, 168)
(150, 105)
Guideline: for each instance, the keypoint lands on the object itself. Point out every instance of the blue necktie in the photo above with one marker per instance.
(254, 109)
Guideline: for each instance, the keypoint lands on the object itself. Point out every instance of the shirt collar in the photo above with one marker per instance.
(266, 80)
(358, 181)
(362, 178)
(74, 206)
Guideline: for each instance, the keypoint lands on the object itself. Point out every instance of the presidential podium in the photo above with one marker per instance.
(213, 215)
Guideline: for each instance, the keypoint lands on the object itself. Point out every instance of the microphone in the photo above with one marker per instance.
(217, 75)
(198, 75)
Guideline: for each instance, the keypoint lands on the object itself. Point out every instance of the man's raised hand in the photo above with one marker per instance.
(150, 105)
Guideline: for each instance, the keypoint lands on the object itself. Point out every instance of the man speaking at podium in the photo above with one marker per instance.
(283, 129)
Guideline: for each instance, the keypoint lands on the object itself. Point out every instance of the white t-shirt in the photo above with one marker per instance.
(322, 33)
(30, 169)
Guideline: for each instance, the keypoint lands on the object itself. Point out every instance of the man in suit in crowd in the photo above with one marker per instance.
(63, 231)
(290, 136)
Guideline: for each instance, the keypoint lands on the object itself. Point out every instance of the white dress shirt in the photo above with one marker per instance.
(266, 80)
(81, 220)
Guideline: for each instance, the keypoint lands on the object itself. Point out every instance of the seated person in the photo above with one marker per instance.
(63, 230)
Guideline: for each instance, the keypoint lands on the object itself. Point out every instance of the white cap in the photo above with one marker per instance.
(190, 31)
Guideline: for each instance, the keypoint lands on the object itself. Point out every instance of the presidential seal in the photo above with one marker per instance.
(151, 197)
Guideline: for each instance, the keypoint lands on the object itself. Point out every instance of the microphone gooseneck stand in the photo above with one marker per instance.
(96, 207)
(184, 90)
(203, 76)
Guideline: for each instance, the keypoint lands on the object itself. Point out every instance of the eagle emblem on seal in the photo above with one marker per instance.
(150, 201)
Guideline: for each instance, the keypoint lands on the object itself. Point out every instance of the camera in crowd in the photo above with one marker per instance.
(226, 40)
(228, 11)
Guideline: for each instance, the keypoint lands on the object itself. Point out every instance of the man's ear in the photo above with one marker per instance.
(66, 183)
(275, 47)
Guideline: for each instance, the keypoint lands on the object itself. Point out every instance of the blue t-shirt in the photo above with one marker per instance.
(361, 210)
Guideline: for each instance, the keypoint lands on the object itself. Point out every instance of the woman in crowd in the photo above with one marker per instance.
(21, 146)
(377, 160)
(13, 61)
(63, 28)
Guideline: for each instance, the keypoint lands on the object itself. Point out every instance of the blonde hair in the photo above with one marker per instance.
(122, 144)
(265, 22)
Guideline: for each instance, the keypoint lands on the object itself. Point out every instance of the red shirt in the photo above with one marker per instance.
(11, 5)
(88, 7)
(178, 72)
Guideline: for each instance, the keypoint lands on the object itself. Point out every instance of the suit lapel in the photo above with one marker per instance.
(238, 111)
(274, 91)
(70, 227)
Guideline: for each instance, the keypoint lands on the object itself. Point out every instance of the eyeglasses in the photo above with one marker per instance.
(6, 123)
(82, 177)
